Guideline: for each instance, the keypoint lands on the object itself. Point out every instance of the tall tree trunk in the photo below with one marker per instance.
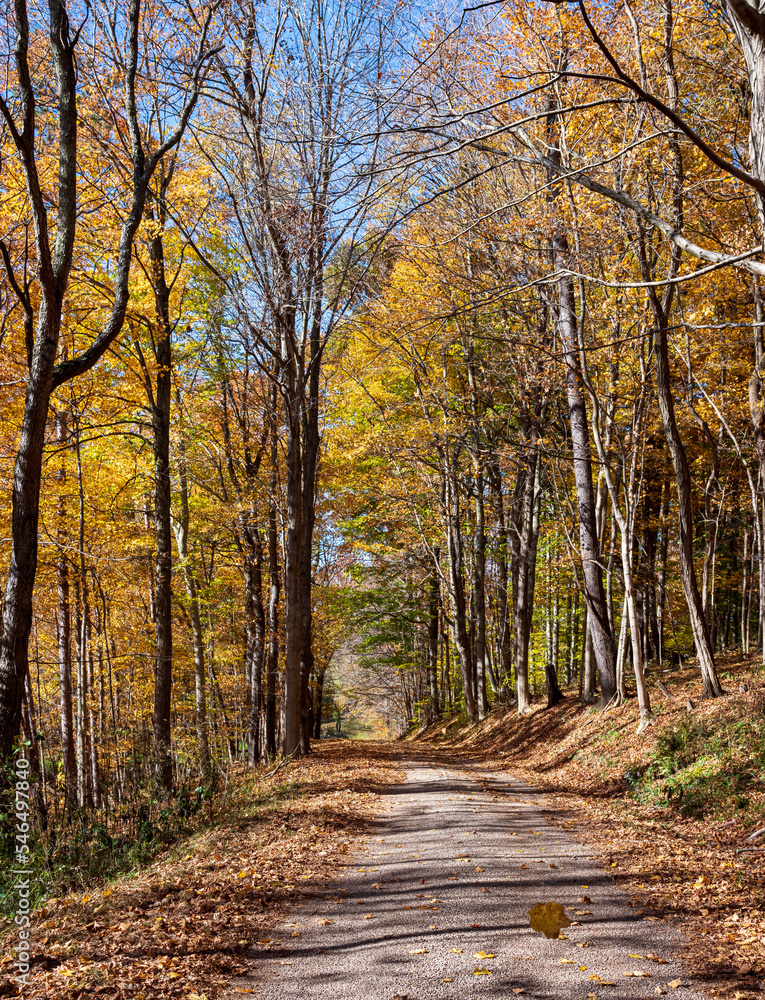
(160, 419)
(479, 591)
(711, 683)
(294, 634)
(603, 645)
(433, 631)
(554, 693)
(503, 583)
(523, 595)
(661, 312)
(65, 626)
(273, 604)
(319, 699)
(457, 583)
(256, 639)
(191, 582)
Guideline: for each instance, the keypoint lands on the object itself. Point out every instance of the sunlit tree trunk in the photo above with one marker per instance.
(64, 622)
(181, 526)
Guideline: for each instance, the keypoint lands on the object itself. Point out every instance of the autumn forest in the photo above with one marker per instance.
(365, 363)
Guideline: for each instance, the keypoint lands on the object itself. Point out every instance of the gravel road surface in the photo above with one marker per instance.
(451, 869)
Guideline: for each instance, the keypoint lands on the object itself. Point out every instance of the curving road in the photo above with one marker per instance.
(450, 870)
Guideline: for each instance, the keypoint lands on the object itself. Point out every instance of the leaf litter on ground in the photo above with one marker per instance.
(183, 925)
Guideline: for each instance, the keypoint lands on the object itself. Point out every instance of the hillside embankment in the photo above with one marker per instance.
(675, 812)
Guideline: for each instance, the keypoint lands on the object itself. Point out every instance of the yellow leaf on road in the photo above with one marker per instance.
(548, 919)
(457, 951)
(481, 972)
(483, 954)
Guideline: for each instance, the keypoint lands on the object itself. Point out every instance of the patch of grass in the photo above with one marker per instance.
(705, 770)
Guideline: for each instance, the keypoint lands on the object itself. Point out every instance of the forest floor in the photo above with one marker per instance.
(181, 926)
(637, 837)
(669, 810)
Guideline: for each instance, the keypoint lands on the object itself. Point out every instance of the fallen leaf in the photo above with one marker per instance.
(419, 951)
(481, 972)
(324, 920)
(518, 989)
(368, 916)
(675, 983)
(457, 951)
(483, 954)
(636, 956)
(566, 961)
(548, 919)
(639, 974)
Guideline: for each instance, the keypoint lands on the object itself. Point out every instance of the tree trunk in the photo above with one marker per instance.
(273, 606)
(603, 645)
(503, 602)
(293, 565)
(160, 420)
(197, 637)
(318, 703)
(433, 592)
(457, 585)
(256, 638)
(523, 595)
(479, 592)
(65, 628)
(711, 683)
(17, 605)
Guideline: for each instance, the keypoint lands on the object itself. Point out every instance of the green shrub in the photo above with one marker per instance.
(700, 771)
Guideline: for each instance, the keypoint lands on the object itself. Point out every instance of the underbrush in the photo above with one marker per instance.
(706, 769)
(74, 850)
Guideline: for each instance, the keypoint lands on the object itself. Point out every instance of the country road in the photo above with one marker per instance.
(452, 867)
